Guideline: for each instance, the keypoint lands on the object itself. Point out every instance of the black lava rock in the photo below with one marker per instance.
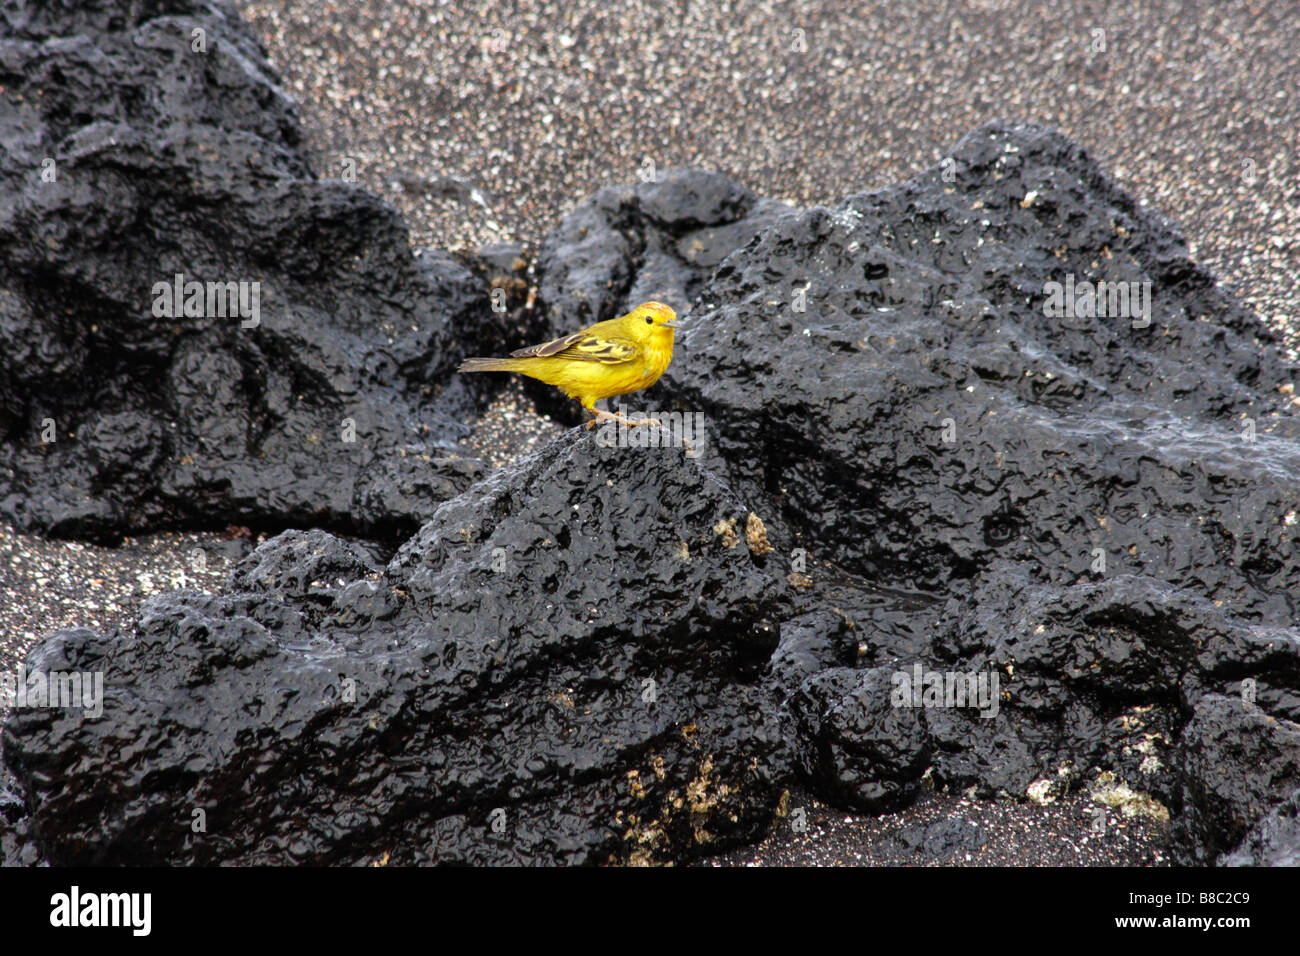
(859, 749)
(942, 841)
(1235, 761)
(563, 666)
(1097, 510)
(659, 239)
(133, 157)
(1274, 841)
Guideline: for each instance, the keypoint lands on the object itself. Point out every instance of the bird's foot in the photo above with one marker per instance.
(604, 416)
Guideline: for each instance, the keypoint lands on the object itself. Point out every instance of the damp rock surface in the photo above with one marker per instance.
(308, 346)
(549, 671)
(1006, 478)
(1273, 841)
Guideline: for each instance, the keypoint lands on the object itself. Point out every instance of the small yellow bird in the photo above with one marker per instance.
(609, 358)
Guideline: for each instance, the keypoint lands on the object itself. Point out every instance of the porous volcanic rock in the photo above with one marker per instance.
(1099, 510)
(1273, 841)
(564, 665)
(132, 157)
(657, 239)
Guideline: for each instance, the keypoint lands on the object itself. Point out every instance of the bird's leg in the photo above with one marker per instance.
(601, 415)
(604, 416)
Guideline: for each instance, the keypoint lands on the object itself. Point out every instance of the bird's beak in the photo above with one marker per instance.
(671, 323)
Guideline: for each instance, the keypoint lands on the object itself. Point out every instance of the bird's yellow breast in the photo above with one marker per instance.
(658, 353)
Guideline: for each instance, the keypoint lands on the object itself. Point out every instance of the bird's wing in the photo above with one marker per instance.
(582, 347)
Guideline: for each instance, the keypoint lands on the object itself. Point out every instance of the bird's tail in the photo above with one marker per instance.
(489, 365)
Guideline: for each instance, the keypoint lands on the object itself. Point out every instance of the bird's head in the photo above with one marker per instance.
(654, 319)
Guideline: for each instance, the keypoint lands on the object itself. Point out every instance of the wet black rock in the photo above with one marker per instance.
(1236, 759)
(504, 269)
(810, 643)
(1273, 841)
(1099, 511)
(15, 850)
(564, 665)
(394, 488)
(659, 239)
(133, 157)
(858, 749)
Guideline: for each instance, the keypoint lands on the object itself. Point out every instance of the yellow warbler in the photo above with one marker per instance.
(609, 358)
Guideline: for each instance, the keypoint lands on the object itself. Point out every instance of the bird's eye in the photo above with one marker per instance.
(649, 320)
